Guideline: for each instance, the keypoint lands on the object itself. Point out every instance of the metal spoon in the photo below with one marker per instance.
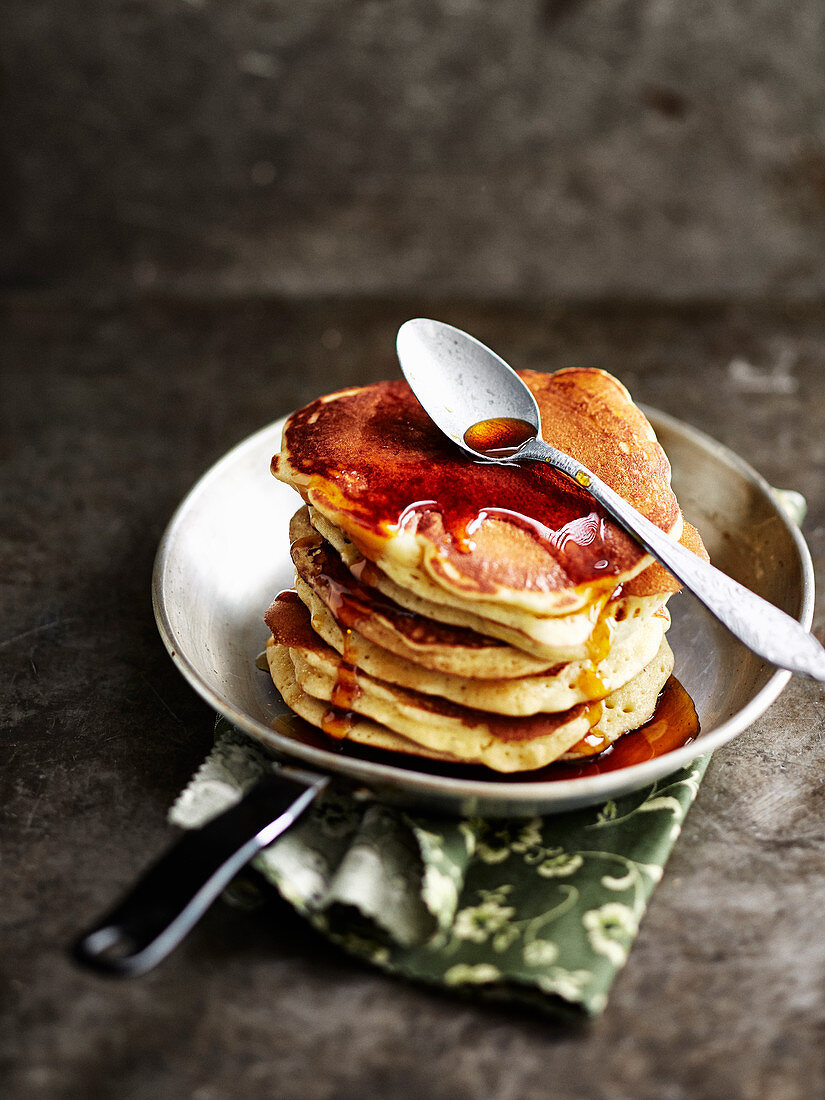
(461, 384)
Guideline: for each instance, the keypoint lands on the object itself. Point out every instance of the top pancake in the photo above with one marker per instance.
(372, 462)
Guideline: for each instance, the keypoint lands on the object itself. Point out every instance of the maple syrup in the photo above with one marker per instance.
(499, 437)
(291, 628)
(338, 720)
(336, 723)
(601, 638)
(346, 689)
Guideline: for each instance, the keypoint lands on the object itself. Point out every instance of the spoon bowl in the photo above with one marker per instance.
(460, 382)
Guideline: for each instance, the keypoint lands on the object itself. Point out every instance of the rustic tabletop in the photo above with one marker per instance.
(110, 412)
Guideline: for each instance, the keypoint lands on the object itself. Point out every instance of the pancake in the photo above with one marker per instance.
(412, 651)
(406, 625)
(549, 639)
(554, 637)
(363, 731)
(523, 539)
(308, 673)
(558, 688)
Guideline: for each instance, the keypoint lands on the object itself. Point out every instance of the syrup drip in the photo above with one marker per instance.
(336, 723)
(592, 685)
(344, 601)
(601, 639)
(594, 714)
(338, 720)
(499, 437)
(350, 601)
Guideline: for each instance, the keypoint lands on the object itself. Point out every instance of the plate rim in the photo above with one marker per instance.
(544, 796)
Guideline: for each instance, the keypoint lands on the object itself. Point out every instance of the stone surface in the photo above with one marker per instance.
(541, 147)
(109, 413)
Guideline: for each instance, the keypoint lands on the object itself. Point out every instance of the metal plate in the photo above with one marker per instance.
(226, 553)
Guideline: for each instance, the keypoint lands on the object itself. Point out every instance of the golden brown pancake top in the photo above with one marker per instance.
(372, 461)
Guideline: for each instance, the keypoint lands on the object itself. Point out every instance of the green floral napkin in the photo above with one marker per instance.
(541, 911)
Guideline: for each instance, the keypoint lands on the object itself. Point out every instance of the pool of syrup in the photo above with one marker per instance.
(500, 436)
(674, 723)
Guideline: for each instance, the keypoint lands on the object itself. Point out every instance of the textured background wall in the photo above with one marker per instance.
(563, 147)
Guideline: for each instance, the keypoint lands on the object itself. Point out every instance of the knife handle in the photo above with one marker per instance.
(173, 894)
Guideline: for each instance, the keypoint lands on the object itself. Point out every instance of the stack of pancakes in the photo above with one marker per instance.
(465, 610)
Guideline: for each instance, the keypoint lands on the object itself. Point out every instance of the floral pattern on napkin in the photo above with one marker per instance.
(542, 910)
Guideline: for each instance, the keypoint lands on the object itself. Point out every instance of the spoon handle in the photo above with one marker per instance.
(763, 628)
